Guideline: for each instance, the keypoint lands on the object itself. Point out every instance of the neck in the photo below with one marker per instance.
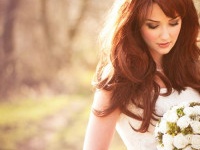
(159, 69)
(157, 59)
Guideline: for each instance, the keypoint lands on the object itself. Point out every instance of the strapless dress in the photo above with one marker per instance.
(146, 141)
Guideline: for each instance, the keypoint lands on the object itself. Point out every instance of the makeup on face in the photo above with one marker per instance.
(160, 32)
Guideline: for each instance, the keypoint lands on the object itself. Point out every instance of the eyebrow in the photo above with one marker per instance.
(159, 21)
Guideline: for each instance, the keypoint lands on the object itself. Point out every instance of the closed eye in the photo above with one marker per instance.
(174, 23)
(152, 26)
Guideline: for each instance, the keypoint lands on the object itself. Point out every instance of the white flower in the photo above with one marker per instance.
(163, 127)
(188, 148)
(189, 111)
(195, 126)
(180, 141)
(195, 141)
(184, 104)
(189, 137)
(157, 130)
(180, 131)
(197, 109)
(183, 122)
(174, 108)
(168, 141)
(170, 116)
(160, 147)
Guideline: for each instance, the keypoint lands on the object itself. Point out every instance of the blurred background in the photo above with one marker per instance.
(48, 54)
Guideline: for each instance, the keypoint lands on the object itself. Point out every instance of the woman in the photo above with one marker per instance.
(149, 62)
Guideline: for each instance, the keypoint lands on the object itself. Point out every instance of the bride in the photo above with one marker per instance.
(149, 62)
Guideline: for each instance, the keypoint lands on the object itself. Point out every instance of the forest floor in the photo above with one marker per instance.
(33, 126)
(51, 126)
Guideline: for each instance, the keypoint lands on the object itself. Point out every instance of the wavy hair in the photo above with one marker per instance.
(126, 67)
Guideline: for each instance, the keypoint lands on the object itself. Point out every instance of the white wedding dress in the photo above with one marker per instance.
(146, 141)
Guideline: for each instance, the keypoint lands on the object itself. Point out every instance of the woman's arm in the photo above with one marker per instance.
(100, 130)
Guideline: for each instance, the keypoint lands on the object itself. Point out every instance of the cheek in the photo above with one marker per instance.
(149, 36)
(176, 31)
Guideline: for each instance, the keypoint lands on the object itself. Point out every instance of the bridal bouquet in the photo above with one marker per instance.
(179, 128)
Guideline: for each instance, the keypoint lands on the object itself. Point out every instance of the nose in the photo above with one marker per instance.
(164, 34)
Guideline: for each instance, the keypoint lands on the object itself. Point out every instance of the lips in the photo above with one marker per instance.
(164, 45)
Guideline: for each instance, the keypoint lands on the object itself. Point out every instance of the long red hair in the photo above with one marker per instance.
(132, 70)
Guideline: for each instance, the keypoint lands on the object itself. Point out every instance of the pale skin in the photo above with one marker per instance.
(160, 33)
(160, 40)
(100, 129)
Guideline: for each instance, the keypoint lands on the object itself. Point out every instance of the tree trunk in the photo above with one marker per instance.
(8, 60)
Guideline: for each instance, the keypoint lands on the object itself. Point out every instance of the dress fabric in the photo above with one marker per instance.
(145, 141)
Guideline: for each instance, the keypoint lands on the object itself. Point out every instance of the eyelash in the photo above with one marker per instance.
(174, 24)
(154, 27)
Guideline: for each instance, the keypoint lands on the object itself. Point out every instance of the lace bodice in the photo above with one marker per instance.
(146, 141)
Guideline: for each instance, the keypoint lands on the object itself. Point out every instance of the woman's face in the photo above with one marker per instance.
(160, 32)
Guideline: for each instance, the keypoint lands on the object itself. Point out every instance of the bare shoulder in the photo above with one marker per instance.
(97, 127)
(102, 99)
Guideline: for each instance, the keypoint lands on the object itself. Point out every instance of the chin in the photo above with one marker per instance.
(166, 51)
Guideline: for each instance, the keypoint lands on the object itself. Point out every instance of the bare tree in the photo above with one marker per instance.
(8, 60)
(37, 41)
